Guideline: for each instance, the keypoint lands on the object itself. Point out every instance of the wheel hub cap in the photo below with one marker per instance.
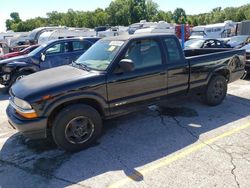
(79, 130)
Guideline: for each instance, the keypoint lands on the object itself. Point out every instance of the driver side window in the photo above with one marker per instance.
(144, 53)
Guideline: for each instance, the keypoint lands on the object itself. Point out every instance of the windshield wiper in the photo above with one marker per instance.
(85, 67)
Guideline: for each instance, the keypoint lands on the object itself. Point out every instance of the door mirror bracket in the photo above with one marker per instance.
(43, 57)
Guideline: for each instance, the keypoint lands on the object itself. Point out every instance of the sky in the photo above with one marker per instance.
(33, 8)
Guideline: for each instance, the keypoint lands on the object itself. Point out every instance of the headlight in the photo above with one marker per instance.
(22, 104)
(23, 108)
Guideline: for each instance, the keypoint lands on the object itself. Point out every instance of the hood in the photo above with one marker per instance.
(12, 54)
(22, 58)
(51, 82)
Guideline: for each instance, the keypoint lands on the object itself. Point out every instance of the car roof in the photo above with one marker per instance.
(137, 36)
(73, 39)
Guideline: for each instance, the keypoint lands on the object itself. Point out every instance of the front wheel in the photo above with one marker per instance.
(216, 91)
(76, 127)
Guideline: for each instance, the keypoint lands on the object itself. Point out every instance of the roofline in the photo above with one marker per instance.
(137, 36)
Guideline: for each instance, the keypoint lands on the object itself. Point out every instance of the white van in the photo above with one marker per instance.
(219, 30)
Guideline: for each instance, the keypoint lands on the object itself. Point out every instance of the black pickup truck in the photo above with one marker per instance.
(115, 76)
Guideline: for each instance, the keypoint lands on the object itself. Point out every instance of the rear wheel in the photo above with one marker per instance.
(216, 91)
(76, 127)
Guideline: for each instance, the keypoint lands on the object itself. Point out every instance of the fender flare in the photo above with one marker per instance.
(70, 98)
(224, 71)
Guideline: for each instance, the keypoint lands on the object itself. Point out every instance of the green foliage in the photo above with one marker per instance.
(179, 16)
(218, 14)
(12, 23)
(126, 12)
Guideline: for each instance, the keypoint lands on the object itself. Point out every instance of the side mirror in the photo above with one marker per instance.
(43, 57)
(126, 65)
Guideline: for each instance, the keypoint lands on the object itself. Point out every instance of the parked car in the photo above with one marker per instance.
(4, 48)
(247, 48)
(18, 53)
(19, 48)
(239, 41)
(52, 54)
(204, 43)
(115, 76)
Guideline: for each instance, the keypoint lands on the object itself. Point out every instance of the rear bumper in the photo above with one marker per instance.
(33, 129)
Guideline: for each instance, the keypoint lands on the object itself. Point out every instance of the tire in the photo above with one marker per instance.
(76, 127)
(216, 91)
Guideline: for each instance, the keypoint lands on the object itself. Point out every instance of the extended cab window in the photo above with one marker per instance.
(144, 53)
(81, 45)
(173, 52)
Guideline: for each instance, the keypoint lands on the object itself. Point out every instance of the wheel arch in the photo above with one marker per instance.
(87, 101)
(223, 72)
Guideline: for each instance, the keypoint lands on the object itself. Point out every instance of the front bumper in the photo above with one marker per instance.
(31, 128)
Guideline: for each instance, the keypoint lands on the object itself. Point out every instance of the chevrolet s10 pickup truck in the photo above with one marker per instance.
(115, 76)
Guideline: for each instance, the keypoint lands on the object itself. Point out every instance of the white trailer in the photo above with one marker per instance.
(113, 31)
(219, 30)
(65, 33)
(157, 27)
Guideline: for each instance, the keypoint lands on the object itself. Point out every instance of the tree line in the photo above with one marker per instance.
(126, 12)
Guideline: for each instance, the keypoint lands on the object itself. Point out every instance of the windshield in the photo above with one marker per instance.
(238, 39)
(36, 50)
(194, 43)
(197, 33)
(100, 55)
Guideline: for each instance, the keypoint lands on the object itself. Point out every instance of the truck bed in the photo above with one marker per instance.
(202, 63)
(205, 51)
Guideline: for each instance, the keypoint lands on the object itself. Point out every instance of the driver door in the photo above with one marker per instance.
(147, 81)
